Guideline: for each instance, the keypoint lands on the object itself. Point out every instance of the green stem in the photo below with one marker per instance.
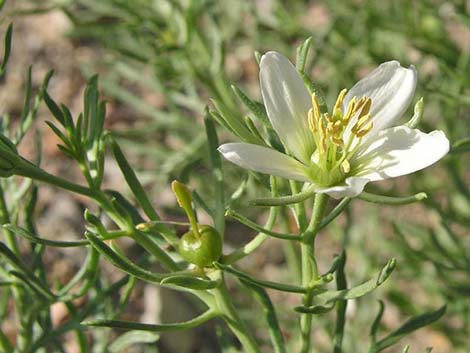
(4, 219)
(230, 316)
(260, 237)
(29, 170)
(299, 207)
(309, 266)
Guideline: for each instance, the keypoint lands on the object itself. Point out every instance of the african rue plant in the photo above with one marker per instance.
(325, 161)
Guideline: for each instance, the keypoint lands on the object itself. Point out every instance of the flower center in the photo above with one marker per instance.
(331, 159)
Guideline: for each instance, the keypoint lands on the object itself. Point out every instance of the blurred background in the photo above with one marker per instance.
(161, 61)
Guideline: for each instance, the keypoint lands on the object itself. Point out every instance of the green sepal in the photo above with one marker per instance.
(314, 89)
(302, 54)
(256, 108)
(418, 114)
(236, 124)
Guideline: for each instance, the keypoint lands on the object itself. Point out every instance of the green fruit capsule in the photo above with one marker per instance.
(201, 250)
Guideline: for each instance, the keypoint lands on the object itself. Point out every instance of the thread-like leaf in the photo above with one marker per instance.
(411, 325)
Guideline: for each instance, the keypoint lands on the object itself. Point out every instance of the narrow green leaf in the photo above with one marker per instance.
(54, 108)
(256, 108)
(68, 118)
(314, 89)
(218, 117)
(236, 124)
(242, 219)
(139, 192)
(7, 51)
(411, 325)
(316, 309)
(285, 200)
(341, 284)
(462, 145)
(252, 127)
(190, 282)
(37, 287)
(87, 273)
(59, 134)
(128, 325)
(302, 54)
(24, 273)
(360, 290)
(123, 263)
(132, 337)
(335, 212)
(376, 324)
(390, 200)
(270, 316)
(35, 239)
(267, 284)
(125, 206)
(27, 95)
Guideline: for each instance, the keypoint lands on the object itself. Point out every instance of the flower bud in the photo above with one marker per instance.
(203, 249)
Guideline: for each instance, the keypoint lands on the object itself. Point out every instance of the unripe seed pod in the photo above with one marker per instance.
(201, 250)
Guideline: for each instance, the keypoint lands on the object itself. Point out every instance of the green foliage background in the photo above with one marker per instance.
(191, 51)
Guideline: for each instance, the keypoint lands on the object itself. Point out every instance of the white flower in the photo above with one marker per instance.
(339, 153)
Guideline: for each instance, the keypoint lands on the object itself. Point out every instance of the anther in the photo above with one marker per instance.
(363, 131)
(349, 110)
(316, 107)
(338, 141)
(339, 102)
(361, 122)
(346, 166)
(366, 107)
(311, 121)
(359, 104)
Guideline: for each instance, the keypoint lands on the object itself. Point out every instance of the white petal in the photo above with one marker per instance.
(264, 160)
(391, 88)
(399, 151)
(352, 187)
(287, 103)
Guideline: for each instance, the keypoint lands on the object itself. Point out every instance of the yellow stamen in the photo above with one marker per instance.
(323, 135)
(337, 141)
(339, 102)
(346, 166)
(363, 120)
(363, 131)
(366, 107)
(328, 118)
(311, 121)
(316, 107)
(360, 104)
(349, 110)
